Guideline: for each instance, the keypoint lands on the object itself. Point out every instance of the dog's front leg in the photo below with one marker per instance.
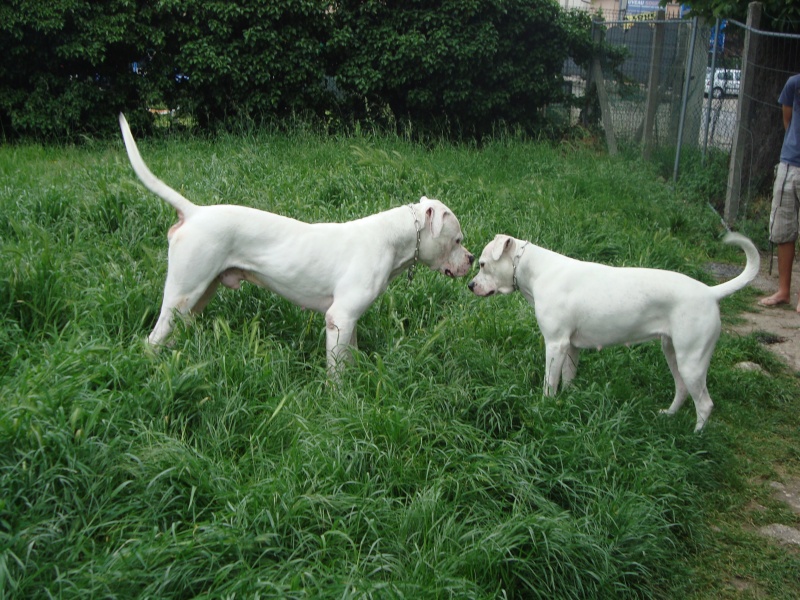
(555, 355)
(339, 335)
(570, 368)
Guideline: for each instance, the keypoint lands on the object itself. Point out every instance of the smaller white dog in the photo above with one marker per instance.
(587, 305)
(337, 269)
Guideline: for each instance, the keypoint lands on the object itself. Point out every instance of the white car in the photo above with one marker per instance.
(726, 82)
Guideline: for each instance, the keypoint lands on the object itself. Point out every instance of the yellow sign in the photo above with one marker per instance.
(647, 16)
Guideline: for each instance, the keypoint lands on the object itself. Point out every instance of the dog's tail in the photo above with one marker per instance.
(750, 269)
(150, 181)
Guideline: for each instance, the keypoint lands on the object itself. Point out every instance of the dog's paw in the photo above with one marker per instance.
(149, 349)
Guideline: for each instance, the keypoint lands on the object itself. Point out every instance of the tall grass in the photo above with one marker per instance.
(228, 466)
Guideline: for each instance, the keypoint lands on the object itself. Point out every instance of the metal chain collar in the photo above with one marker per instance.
(413, 268)
(515, 264)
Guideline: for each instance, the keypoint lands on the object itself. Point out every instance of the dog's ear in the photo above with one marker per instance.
(501, 245)
(435, 218)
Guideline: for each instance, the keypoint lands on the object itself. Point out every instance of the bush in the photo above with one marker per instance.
(458, 67)
(66, 65)
(246, 59)
(457, 64)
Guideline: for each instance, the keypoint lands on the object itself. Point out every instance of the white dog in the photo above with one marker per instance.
(588, 305)
(337, 269)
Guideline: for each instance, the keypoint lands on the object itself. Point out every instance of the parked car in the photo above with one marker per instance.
(725, 82)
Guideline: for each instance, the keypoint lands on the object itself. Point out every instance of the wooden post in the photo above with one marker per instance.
(743, 111)
(651, 108)
(602, 96)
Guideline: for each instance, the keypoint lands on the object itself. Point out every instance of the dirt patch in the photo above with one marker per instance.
(781, 533)
(787, 492)
(777, 328)
(742, 585)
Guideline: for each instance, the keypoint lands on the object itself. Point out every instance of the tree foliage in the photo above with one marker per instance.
(239, 59)
(471, 63)
(64, 59)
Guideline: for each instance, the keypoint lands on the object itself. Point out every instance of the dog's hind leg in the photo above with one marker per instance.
(703, 406)
(206, 297)
(693, 366)
(681, 391)
(178, 300)
(696, 382)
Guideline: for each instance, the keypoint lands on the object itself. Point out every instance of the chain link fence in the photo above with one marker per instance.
(768, 60)
(682, 91)
(655, 76)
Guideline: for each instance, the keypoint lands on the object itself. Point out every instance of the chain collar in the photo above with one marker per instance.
(413, 267)
(516, 264)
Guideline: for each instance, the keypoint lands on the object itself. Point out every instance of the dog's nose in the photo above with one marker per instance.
(471, 259)
(471, 286)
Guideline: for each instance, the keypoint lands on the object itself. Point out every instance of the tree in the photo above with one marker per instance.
(778, 15)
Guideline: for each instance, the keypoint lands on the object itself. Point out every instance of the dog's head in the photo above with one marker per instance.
(441, 240)
(496, 263)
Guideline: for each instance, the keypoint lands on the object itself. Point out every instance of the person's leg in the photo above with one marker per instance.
(785, 260)
(794, 175)
(783, 230)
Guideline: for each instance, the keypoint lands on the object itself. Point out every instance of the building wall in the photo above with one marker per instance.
(620, 9)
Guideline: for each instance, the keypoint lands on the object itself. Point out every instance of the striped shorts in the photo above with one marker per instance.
(783, 220)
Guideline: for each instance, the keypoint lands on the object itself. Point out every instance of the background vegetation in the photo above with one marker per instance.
(227, 465)
(456, 67)
(778, 15)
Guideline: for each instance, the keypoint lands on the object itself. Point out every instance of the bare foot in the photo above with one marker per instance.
(775, 300)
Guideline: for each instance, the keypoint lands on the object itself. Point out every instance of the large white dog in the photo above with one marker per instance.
(587, 305)
(337, 269)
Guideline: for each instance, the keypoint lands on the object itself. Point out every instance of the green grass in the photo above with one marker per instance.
(227, 466)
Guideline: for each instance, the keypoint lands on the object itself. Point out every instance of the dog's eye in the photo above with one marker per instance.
(481, 264)
(458, 242)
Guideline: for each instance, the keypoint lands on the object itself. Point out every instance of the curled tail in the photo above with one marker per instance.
(150, 181)
(750, 269)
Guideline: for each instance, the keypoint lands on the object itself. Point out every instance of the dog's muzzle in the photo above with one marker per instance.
(471, 286)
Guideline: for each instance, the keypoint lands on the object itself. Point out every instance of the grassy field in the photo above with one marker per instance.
(227, 466)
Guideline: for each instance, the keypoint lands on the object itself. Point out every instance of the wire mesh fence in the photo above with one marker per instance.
(768, 60)
(654, 75)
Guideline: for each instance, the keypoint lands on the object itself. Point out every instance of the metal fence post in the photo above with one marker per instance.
(686, 81)
(710, 88)
(602, 95)
(734, 190)
(653, 82)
